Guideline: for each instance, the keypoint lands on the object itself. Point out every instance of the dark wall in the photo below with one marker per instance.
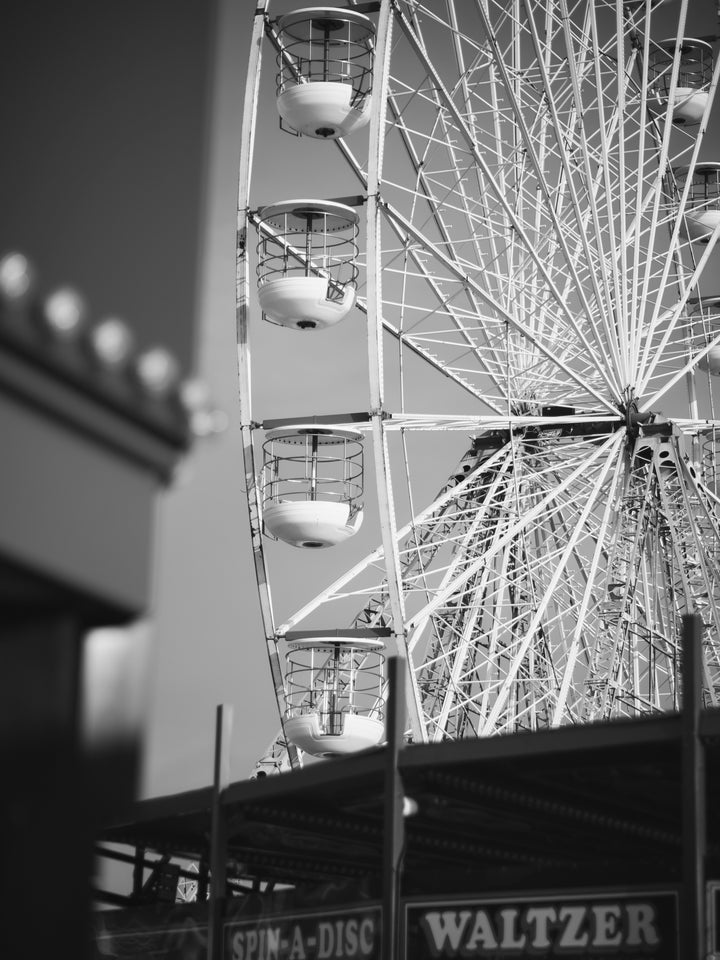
(103, 119)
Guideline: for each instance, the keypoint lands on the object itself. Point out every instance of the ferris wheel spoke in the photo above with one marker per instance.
(550, 501)
(525, 638)
(471, 207)
(444, 304)
(654, 350)
(465, 671)
(437, 206)
(415, 310)
(666, 322)
(650, 287)
(646, 133)
(670, 328)
(625, 563)
(441, 514)
(504, 204)
(587, 156)
(540, 180)
(459, 276)
(565, 136)
(680, 368)
(483, 530)
(648, 293)
(428, 357)
(569, 700)
(616, 205)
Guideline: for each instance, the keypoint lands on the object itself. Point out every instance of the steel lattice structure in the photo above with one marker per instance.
(526, 228)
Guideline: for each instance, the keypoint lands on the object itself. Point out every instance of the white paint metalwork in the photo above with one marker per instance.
(335, 695)
(530, 280)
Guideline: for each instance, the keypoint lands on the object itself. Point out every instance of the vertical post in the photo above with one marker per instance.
(138, 872)
(326, 51)
(334, 725)
(308, 242)
(218, 833)
(394, 832)
(692, 913)
(42, 770)
(203, 880)
(313, 467)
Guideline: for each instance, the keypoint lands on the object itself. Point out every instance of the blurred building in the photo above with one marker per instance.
(104, 125)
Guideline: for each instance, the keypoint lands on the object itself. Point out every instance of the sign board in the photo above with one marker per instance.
(352, 933)
(588, 925)
(574, 926)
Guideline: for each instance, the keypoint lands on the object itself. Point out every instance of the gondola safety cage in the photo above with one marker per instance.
(706, 325)
(307, 262)
(334, 695)
(312, 485)
(692, 90)
(702, 210)
(325, 71)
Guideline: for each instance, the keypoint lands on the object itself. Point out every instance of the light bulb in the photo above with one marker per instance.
(113, 342)
(17, 276)
(194, 394)
(157, 370)
(65, 313)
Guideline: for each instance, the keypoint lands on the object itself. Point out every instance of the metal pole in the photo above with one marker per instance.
(692, 912)
(313, 467)
(394, 832)
(138, 872)
(218, 833)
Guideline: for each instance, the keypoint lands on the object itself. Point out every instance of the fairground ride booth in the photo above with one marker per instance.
(88, 443)
(573, 842)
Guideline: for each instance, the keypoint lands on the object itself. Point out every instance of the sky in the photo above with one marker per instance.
(208, 646)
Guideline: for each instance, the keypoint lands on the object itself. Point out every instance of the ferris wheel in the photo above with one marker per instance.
(528, 212)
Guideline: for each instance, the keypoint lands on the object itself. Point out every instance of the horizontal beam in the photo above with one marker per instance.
(325, 419)
(367, 633)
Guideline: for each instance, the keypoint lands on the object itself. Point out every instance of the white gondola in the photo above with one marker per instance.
(702, 210)
(307, 262)
(312, 485)
(334, 695)
(692, 91)
(325, 66)
(706, 324)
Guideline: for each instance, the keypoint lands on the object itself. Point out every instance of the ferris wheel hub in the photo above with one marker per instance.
(634, 419)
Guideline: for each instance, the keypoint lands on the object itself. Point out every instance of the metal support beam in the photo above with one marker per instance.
(203, 883)
(218, 833)
(692, 908)
(138, 872)
(394, 826)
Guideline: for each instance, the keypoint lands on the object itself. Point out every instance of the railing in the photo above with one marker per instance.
(292, 252)
(334, 681)
(311, 474)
